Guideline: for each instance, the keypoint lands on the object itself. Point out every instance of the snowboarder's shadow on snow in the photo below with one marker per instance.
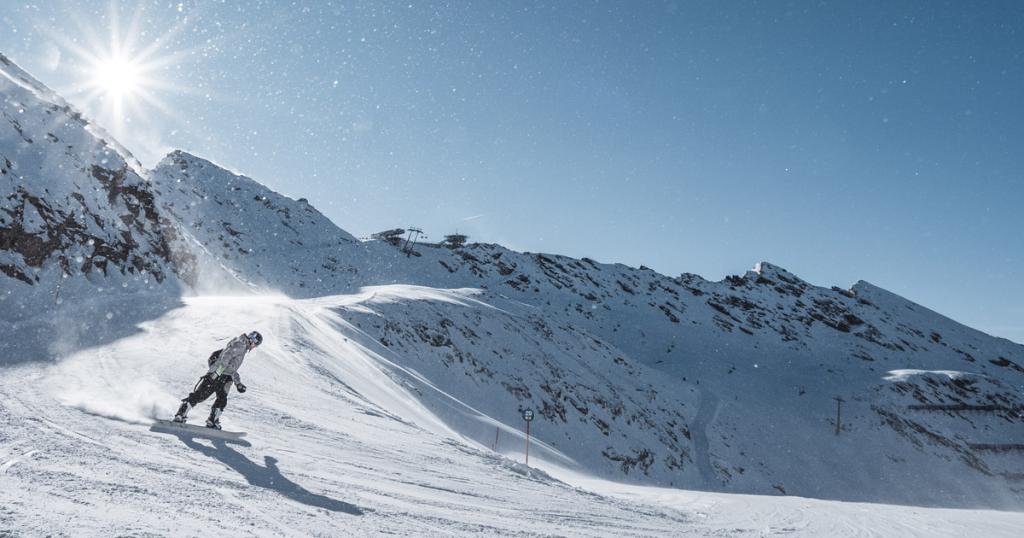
(268, 476)
(85, 325)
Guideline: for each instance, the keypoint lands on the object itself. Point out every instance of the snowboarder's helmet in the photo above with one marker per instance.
(255, 338)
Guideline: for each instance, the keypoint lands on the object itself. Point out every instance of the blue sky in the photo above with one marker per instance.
(842, 140)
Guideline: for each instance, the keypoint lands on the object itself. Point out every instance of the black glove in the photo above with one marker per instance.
(241, 388)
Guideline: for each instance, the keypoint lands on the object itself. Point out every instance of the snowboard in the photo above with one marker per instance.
(168, 426)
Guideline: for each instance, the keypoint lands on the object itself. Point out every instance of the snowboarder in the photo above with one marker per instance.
(223, 372)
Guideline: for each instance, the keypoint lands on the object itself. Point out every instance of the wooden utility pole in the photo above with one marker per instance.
(839, 410)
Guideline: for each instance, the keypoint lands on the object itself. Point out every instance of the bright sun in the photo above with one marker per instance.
(117, 78)
(120, 79)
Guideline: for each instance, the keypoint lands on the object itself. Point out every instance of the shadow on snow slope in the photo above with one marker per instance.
(267, 476)
(55, 334)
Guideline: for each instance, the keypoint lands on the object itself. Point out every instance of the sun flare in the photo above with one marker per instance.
(124, 72)
(118, 78)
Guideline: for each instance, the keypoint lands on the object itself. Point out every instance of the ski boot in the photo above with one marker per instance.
(214, 420)
(182, 415)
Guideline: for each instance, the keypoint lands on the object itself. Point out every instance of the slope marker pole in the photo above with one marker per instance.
(528, 417)
(839, 409)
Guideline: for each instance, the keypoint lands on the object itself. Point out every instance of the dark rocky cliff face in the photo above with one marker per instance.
(122, 234)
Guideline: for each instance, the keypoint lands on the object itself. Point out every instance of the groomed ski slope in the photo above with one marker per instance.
(342, 441)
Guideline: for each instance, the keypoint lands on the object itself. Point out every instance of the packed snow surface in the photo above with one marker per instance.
(341, 441)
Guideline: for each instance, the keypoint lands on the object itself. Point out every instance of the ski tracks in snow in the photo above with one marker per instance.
(9, 463)
(706, 413)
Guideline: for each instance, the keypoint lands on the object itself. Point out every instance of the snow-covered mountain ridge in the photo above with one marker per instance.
(77, 220)
(72, 194)
(215, 209)
(732, 363)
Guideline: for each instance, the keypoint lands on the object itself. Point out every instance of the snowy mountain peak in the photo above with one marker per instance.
(186, 160)
(772, 271)
(55, 103)
(200, 169)
(866, 289)
(244, 234)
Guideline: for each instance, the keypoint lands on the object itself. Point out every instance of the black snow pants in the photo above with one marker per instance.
(207, 385)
